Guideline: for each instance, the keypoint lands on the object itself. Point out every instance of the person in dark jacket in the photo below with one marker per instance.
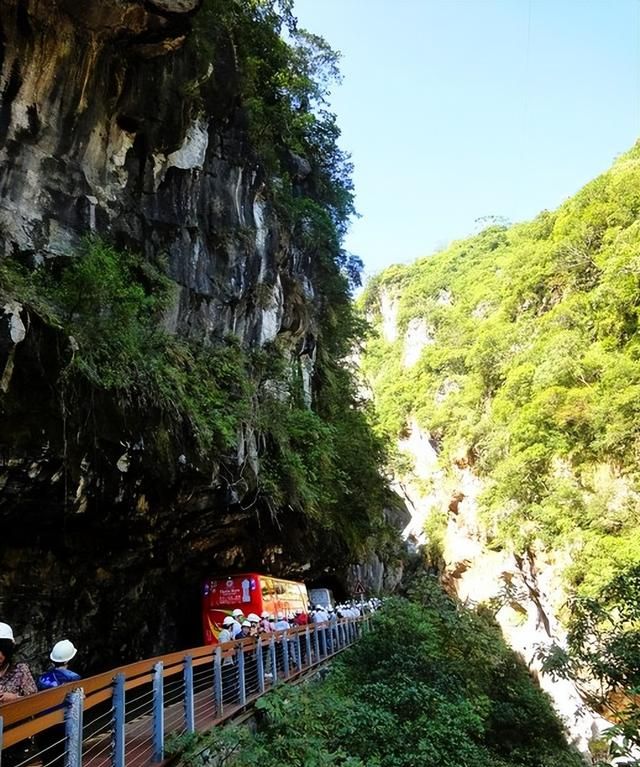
(62, 654)
(52, 741)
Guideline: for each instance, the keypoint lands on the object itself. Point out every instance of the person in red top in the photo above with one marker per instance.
(301, 619)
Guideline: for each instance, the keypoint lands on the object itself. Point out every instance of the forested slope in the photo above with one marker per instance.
(530, 371)
(432, 685)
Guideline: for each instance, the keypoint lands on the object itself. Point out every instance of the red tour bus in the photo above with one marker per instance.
(252, 593)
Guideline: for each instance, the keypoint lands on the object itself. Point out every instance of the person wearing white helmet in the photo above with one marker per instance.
(281, 624)
(245, 630)
(61, 655)
(266, 627)
(52, 739)
(319, 615)
(254, 620)
(250, 661)
(226, 634)
(16, 680)
(228, 670)
(332, 636)
(238, 617)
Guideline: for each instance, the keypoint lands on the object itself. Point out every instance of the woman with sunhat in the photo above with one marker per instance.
(16, 681)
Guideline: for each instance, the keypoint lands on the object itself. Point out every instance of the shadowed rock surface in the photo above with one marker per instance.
(110, 125)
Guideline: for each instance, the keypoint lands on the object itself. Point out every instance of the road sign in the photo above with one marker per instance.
(359, 588)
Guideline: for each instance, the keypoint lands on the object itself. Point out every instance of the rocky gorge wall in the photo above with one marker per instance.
(525, 592)
(110, 125)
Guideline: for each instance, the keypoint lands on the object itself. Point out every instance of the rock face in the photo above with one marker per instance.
(374, 574)
(101, 132)
(96, 134)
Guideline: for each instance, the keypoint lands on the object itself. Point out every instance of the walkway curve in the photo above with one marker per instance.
(121, 718)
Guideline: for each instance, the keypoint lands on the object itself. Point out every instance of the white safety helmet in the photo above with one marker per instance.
(6, 632)
(63, 651)
(264, 614)
(253, 618)
(280, 616)
(246, 624)
(228, 621)
(237, 612)
(330, 608)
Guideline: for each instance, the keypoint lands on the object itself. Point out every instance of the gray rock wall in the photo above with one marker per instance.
(109, 124)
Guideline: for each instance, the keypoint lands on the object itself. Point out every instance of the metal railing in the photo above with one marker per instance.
(122, 717)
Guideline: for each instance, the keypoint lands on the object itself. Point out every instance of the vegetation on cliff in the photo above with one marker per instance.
(531, 372)
(602, 656)
(193, 401)
(433, 685)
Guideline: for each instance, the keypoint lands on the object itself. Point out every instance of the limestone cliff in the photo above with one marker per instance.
(113, 123)
(525, 591)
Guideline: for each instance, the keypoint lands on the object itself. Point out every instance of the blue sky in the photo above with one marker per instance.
(457, 109)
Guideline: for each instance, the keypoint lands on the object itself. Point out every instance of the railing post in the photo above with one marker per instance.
(316, 643)
(1, 735)
(323, 639)
(73, 729)
(158, 713)
(298, 651)
(189, 714)
(285, 655)
(242, 691)
(260, 664)
(274, 658)
(217, 679)
(307, 639)
(119, 710)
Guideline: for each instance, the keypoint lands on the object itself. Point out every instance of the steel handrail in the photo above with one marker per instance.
(283, 649)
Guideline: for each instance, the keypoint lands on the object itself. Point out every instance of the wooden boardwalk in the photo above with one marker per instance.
(121, 718)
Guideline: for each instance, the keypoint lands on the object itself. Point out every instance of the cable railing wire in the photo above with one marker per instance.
(193, 693)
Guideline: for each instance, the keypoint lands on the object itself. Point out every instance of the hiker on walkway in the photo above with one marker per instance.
(238, 617)
(61, 655)
(229, 681)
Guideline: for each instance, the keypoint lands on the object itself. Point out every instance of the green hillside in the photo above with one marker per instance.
(431, 686)
(533, 371)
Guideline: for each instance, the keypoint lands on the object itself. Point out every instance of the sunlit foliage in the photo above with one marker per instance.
(532, 371)
(431, 686)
